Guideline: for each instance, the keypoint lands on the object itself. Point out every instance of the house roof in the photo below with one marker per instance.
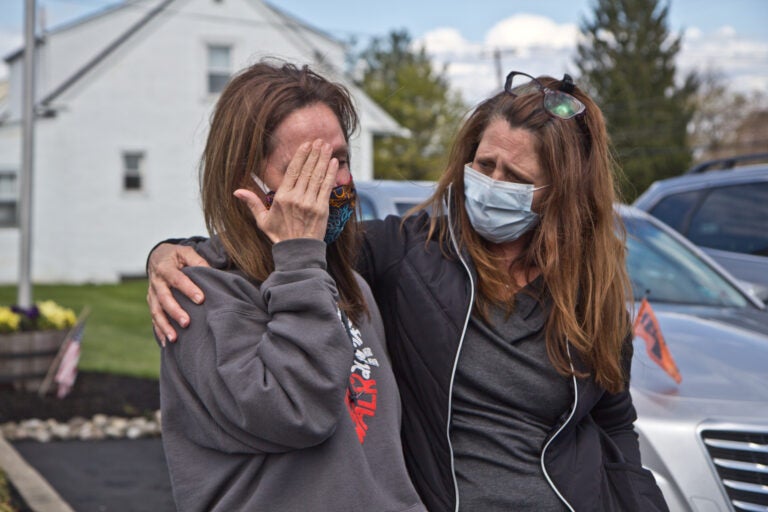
(100, 56)
(378, 119)
(40, 39)
(293, 20)
(103, 54)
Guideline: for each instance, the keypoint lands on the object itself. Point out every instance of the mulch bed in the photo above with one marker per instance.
(93, 393)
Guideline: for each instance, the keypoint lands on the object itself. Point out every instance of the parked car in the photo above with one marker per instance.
(379, 198)
(721, 206)
(705, 439)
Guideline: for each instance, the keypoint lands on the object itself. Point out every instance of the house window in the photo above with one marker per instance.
(133, 169)
(9, 199)
(219, 67)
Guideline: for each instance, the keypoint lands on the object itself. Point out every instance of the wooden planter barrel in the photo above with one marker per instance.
(25, 357)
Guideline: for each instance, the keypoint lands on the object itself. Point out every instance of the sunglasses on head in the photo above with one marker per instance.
(557, 103)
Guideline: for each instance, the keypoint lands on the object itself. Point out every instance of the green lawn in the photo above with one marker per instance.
(118, 334)
(6, 499)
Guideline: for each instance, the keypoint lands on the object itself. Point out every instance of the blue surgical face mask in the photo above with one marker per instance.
(341, 206)
(499, 211)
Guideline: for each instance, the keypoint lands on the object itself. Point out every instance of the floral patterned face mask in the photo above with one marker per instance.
(341, 207)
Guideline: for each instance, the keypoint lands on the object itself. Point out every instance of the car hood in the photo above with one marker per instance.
(721, 353)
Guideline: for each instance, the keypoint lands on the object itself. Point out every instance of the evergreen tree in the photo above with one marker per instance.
(628, 63)
(403, 82)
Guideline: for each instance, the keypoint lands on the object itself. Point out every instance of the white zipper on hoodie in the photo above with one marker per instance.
(567, 420)
(458, 350)
(456, 362)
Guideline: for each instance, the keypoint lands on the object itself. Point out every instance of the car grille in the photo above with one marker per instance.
(741, 461)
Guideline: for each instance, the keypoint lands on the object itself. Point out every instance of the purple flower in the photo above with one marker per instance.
(29, 317)
(31, 312)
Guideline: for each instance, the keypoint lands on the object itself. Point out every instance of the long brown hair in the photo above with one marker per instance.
(241, 138)
(578, 245)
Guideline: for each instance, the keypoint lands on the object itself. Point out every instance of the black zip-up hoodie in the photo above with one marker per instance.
(591, 457)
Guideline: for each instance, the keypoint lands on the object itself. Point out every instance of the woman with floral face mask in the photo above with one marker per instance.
(505, 314)
(280, 395)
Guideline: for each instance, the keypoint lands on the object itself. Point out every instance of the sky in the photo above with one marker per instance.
(536, 36)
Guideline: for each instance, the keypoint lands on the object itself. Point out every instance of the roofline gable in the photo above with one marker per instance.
(293, 20)
(40, 38)
(103, 54)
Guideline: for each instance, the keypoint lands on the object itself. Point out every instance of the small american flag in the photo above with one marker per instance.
(67, 371)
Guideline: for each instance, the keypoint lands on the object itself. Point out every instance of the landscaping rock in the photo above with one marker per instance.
(100, 406)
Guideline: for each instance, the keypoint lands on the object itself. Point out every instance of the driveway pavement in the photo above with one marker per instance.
(104, 476)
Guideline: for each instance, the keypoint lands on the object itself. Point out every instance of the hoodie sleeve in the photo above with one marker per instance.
(384, 246)
(615, 412)
(268, 366)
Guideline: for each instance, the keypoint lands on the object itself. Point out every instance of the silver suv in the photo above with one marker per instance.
(706, 438)
(721, 206)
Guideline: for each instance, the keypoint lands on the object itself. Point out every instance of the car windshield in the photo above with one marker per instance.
(667, 271)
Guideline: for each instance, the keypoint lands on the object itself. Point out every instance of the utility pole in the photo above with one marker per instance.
(497, 53)
(24, 298)
(497, 63)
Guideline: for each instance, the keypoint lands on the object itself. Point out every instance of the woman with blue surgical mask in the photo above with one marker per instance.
(499, 211)
(504, 303)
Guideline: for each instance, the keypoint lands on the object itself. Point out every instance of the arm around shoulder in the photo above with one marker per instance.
(384, 245)
(164, 266)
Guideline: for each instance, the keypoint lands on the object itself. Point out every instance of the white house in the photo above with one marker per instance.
(124, 98)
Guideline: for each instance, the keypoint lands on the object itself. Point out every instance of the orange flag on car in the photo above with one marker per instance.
(647, 327)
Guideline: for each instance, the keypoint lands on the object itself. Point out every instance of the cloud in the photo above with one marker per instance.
(447, 41)
(525, 42)
(538, 45)
(741, 61)
(532, 31)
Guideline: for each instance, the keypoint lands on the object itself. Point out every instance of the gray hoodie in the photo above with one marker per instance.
(270, 403)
